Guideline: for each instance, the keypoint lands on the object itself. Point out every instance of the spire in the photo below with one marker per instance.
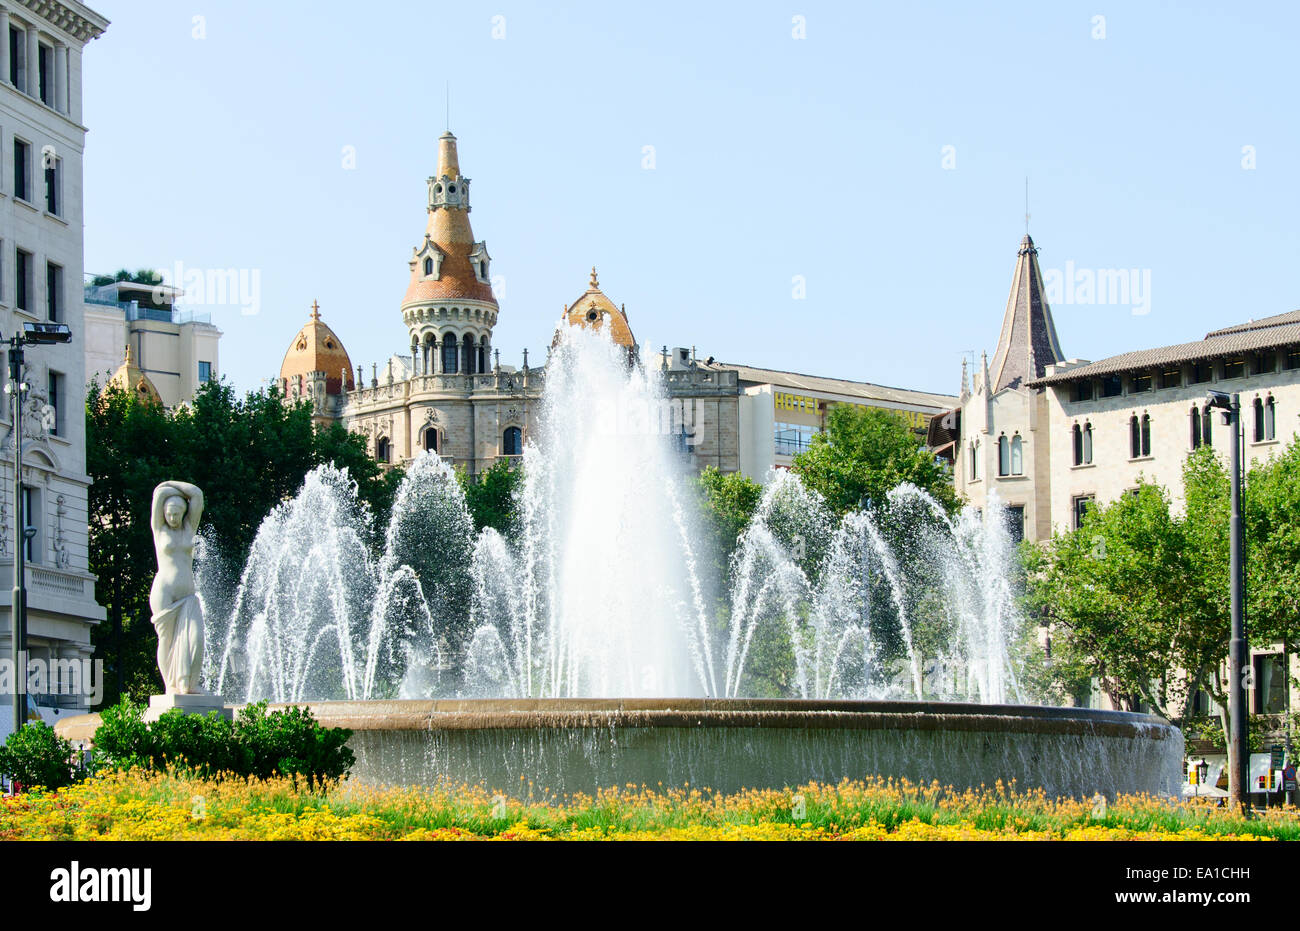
(315, 310)
(965, 380)
(1028, 342)
(448, 165)
(594, 284)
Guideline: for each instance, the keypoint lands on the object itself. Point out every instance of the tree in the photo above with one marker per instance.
(491, 497)
(728, 502)
(863, 454)
(247, 454)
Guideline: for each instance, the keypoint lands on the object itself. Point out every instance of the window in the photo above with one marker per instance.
(1171, 379)
(1292, 360)
(1004, 455)
(469, 354)
(1265, 363)
(32, 522)
(1139, 436)
(1234, 368)
(54, 291)
(1082, 504)
(1270, 684)
(449, 354)
(1196, 428)
(383, 449)
(791, 439)
(56, 401)
(512, 442)
(22, 170)
(1201, 372)
(1082, 391)
(1207, 423)
(1016, 522)
(431, 439)
(23, 278)
(17, 58)
(428, 266)
(482, 269)
(53, 184)
(1083, 444)
(1265, 419)
(1112, 386)
(205, 372)
(45, 73)
(974, 461)
(1143, 383)
(1146, 434)
(1017, 455)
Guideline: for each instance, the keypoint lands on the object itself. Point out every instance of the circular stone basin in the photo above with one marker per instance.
(561, 746)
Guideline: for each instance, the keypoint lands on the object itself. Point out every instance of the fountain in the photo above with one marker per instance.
(597, 646)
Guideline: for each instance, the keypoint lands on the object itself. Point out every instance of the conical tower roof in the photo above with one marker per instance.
(1028, 342)
(449, 239)
(316, 348)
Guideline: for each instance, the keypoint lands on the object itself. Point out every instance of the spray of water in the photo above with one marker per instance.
(600, 592)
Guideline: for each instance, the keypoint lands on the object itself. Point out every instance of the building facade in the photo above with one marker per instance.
(450, 394)
(41, 258)
(177, 350)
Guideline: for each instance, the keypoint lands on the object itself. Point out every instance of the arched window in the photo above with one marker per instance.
(469, 352)
(1259, 420)
(1146, 434)
(1017, 455)
(482, 354)
(1134, 437)
(512, 442)
(449, 354)
(1207, 421)
(383, 449)
(428, 266)
(1196, 428)
(431, 439)
(1270, 419)
(1087, 444)
(1078, 445)
(1004, 455)
(974, 461)
(482, 269)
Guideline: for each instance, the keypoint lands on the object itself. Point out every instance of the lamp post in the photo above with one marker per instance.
(37, 334)
(1238, 742)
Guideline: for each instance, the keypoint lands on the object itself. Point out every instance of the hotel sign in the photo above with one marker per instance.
(801, 404)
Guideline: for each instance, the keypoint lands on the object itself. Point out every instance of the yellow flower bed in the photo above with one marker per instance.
(141, 805)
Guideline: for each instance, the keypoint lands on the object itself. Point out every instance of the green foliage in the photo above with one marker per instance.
(728, 503)
(248, 454)
(36, 756)
(863, 454)
(491, 496)
(285, 742)
(140, 276)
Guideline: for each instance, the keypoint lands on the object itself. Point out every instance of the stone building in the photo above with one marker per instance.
(1052, 435)
(178, 350)
(450, 394)
(42, 139)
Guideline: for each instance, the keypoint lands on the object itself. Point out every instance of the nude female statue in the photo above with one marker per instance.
(177, 613)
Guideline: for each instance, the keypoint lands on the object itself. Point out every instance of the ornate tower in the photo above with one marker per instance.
(449, 308)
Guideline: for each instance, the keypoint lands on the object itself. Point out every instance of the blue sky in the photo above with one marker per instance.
(219, 143)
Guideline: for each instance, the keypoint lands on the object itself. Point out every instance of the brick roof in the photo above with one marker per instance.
(1256, 336)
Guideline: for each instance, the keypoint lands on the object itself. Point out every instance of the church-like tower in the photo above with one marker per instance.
(449, 308)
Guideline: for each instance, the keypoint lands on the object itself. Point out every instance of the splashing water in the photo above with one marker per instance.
(603, 591)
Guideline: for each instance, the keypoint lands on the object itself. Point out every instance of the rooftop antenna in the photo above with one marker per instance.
(1026, 205)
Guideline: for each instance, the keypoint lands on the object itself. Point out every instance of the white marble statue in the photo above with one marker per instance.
(177, 613)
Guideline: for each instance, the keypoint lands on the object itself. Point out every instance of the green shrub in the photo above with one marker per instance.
(36, 756)
(288, 742)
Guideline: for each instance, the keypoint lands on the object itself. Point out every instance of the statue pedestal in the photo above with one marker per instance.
(188, 704)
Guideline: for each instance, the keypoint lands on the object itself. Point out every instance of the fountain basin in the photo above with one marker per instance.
(564, 746)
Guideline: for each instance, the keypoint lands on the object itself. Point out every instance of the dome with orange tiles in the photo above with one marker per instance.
(595, 311)
(316, 348)
(131, 378)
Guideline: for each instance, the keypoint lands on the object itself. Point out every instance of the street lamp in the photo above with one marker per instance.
(1238, 743)
(1202, 770)
(36, 334)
